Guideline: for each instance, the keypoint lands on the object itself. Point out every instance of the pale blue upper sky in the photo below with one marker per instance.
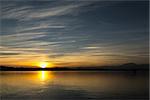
(66, 32)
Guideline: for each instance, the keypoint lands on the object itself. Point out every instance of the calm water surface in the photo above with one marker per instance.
(45, 85)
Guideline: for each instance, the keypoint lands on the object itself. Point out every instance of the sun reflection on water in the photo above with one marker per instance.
(45, 75)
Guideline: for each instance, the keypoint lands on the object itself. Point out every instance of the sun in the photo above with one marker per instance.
(43, 64)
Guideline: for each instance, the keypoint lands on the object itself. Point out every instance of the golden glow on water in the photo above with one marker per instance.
(45, 75)
(43, 82)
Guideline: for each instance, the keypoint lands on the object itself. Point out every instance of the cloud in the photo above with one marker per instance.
(54, 11)
(9, 54)
(25, 13)
(56, 31)
(21, 37)
(43, 27)
(16, 13)
(91, 47)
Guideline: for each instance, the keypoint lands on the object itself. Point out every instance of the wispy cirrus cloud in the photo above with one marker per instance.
(32, 12)
(85, 32)
(21, 37)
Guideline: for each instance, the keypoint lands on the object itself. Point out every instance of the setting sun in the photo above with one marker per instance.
(43, 64)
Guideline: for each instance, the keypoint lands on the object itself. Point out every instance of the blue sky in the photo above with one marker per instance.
(74, 33)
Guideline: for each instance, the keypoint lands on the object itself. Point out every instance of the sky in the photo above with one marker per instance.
(74, 33)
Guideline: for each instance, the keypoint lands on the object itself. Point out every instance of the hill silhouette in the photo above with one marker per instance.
(124, 67)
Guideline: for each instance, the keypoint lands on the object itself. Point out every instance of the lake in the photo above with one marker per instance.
(73, 85)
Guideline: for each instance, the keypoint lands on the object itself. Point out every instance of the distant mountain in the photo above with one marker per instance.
(129, 64)
(134, 66)
(124, 67)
